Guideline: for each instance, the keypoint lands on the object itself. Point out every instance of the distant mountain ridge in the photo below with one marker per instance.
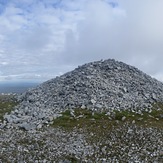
(103, 85)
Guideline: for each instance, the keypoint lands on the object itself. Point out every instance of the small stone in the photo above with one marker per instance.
(104, 150)
(16, 111)
(133, 122)
(161, 116)
(44, 161)
(123, 118)
(2, 126)
(72, 113)
(50, 119)
(110, 118)
(8, 118)
(124, 90)
(117, 121)
(39, 126)
(41, 116)
(83, 106)
(129, 131)
(93, 101)
(154, 96)
(80, 116)
(27, 126)
(99, 106)
(108, 113)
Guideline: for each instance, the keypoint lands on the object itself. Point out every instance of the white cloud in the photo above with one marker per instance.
(131, 32)
(3, 63)
(49, 37)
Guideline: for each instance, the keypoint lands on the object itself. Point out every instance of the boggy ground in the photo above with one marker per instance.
(81, 135)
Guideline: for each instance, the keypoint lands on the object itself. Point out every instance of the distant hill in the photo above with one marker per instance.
(16, 87)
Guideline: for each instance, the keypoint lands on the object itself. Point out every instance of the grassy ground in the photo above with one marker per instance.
(83, 118)
(7, 102)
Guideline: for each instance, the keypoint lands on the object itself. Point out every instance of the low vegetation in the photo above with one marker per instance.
(86, 119)
(7, 102)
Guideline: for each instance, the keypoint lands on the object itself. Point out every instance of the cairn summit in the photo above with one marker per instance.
(102, 85)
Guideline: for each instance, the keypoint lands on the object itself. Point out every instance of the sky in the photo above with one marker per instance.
(41, 39)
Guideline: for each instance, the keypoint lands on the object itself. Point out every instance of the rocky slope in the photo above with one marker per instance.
(103, 85)
(128, 143)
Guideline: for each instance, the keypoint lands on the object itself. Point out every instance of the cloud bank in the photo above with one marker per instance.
(42, 39)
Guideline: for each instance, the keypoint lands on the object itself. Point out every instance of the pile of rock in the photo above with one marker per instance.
(103, 85)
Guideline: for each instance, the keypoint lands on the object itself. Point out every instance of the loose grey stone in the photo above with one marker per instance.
(8, 118)
(161, 116)
(83, 107)
(27, 126)
(39, 126)
(103, 85)
(123, 118)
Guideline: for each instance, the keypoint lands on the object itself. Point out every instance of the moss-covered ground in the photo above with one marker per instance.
(84, 118)
(7, 103)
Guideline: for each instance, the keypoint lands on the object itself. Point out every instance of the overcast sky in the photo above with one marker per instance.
(40, 39)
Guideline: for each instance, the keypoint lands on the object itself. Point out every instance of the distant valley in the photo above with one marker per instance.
(16, 87)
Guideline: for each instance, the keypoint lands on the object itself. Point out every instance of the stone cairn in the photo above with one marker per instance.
(99, 86)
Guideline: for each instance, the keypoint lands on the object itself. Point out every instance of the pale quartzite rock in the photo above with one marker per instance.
(108, 84)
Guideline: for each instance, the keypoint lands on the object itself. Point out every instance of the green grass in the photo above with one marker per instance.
(6, 105)
(86, 119)
(83, 118)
